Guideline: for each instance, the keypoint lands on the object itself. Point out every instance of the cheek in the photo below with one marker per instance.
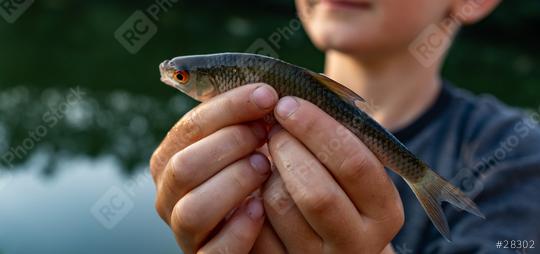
(410, 18)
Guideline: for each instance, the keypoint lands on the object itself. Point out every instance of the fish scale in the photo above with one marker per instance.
(218, 73)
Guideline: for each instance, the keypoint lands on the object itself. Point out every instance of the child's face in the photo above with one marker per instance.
(369, 27)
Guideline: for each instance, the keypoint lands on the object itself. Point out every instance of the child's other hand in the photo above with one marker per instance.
(332, 195)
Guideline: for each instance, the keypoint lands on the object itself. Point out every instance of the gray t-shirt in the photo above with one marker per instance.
(491, 152)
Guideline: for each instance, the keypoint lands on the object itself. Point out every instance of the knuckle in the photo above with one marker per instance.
(157, 163)
(184, 220)
(390, 232)
(242, 181)
(307, 115)
(239, 135)
(304, 127)
(304, 118)
(280, 141)
(162, 211)
(307, 123)
(318, 201)
(180, 167)
(392, 221)
(397, 218)
(189, 127)
(229, 104)
(240, 236)
(354, 166)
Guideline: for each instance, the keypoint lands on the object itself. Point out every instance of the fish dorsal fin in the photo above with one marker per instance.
(342, 91)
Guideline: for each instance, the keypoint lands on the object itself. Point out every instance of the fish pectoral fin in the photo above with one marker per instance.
(342, 91)
(432, 190)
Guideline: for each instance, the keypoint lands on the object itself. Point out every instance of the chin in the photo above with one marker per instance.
(356, 39)
(385, 27)
(345, 30)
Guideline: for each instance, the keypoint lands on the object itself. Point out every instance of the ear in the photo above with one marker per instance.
(471, 11)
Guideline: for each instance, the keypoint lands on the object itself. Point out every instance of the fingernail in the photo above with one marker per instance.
(259, 163)
(264, 97)
(286, 107)
(275, 129)
(258, 130)
(255, 209)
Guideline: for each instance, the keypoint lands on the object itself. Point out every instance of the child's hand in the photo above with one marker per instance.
(332, 195)
(207, 166)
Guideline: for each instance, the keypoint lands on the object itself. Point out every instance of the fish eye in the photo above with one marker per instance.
(181, 76)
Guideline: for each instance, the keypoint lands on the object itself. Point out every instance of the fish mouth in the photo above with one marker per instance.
(163, 64)
(165, 69)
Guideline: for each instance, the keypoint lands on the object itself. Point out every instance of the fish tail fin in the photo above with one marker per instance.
(432, 190)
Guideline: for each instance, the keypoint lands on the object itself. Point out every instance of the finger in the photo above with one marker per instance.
(319, 198)
(203, 159)
(268, 242)
(287, 221)
(240, 232)
(243, 104)
(201, 210)
(353, 165)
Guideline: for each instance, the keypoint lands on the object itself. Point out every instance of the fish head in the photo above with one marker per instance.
(189, 75)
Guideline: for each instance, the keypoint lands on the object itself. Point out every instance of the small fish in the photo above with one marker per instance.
(204, 76)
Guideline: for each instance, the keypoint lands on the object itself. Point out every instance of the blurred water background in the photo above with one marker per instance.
(80, 114)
